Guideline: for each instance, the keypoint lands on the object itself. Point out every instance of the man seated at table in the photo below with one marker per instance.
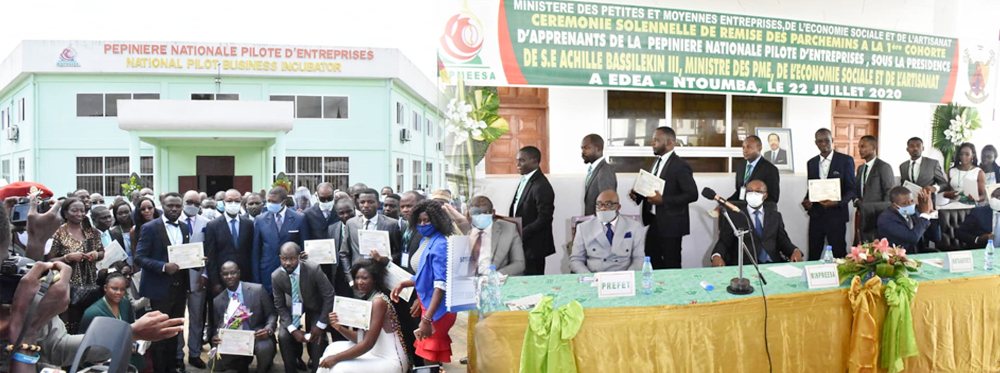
(263, 320)
(767, 239)
(608, 242)
(493, 241)
(982, 224)
(900, 223)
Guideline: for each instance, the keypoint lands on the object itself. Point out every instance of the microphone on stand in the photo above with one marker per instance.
(710, 194)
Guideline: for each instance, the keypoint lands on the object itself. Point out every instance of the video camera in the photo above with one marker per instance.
(19, 215)
(11, 271)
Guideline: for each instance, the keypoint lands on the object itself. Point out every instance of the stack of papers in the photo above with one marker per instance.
(786, 271)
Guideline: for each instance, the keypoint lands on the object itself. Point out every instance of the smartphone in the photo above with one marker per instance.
(19, 214)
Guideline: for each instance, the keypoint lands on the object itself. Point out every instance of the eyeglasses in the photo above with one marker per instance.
(326, 199)
(608, 205)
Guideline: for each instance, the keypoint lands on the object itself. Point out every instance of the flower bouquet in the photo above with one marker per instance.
(952, 125)
(876, 258)
(235, 316)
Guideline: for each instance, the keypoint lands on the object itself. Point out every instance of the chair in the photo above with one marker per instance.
(111, 334)
(869, 212)
(950, 220)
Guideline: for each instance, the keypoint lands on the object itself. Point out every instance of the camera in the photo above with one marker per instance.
(11, 271)
(19, 215)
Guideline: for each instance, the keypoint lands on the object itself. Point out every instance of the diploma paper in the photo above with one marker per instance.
(374, 240)
(322, 251)
(647, 184)
(786, 271)
(914, 188)
(236, 342)
(824, 190)
(189, 255)
(526, 303)
(353, 312)
(112, 254)
(396, 276)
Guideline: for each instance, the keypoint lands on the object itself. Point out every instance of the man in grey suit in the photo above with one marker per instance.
(494, 241)
(920, 170)
(301, 290)
(874, 178)
(608, 242)
(263, 320)
(600, 174)
(370, 220)
(776, 155)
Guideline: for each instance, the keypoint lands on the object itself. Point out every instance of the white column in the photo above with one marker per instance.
(158, 174)
(267, 176)
(133, 153)
(279, 153)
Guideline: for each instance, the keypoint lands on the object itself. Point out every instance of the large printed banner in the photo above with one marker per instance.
(565, 43)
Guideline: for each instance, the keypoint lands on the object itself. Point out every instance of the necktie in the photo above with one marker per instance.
(589, 170)
(190, 224)
(609, 233)
(295, 297)
(774, 156)
(367, 224)
(746, 174)
(909, 222)
(996, 226)
(236, 297)
(326, 214)
(474, 264)
(232, 230)
(864, 178)
(517, 197)
(277, 220)
(656, 167)
(762, 257)
(106, 238)
(406, 239)
(913, 171)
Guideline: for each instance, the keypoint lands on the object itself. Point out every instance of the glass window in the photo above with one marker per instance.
(5, 170)
(146, 96)
(90, 183)
(399, 113)
(699, 119)
(106, 175)
(417, 169)
(89, 165)
(750, 112)
(227, 96)
(633, 116)
(111, 103)
(338, 181)
(430, 175)
(430, 128)
(21, 167)
(202, 96)
(309, 165)
(89, 105)
(335, 107)
(416, 122)
(309, 107)
(145, 165)
(311, 171)
(399, 174)
(336, 165)
(116, 165)
(21, 114)
(698, 164)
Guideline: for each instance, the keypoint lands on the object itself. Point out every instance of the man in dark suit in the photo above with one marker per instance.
(768, 241)
(751, 168)
(600, 174)
(273, 228)
(900, 225)
(776, 155)
(229, 238)
(301, 291)
(337, 231)
(321, 215)
(875, 177)
(666, 212)
(920, 170)
(390, 208)
(164, 283)
(534, 203)
(263, 319)
(411, 237)
(982, 224)
(828, 219)
(370, 220)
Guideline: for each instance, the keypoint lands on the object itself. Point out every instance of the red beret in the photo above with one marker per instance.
(22, 189)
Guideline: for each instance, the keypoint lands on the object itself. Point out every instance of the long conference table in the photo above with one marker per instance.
(684, 328)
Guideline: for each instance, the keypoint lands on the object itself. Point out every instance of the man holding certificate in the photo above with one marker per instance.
(231, 309)
(303, 297)
(358, 247)
(827, 201)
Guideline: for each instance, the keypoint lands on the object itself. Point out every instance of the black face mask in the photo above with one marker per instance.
(254, 211)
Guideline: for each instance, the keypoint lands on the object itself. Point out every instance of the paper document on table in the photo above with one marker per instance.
(352, 312)
(322, 251)
(112, 254)
(526, 303)
(647, 184)
(786, 271)
(374, 240)
(937, 262)
(824, 190)
(914, 188)
(396, 276)
(189, 255)
(236, 342)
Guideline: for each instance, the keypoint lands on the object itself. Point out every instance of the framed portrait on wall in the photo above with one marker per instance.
(777, 147)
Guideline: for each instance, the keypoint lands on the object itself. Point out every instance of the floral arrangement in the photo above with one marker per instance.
(283, 182)
(131, 186)
(472, 123)
(238, 316)
(951, 126)
(876, 258)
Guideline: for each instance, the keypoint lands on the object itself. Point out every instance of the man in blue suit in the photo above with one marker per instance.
(164, 283)
(982, 224)
(900, 223)
(828, 219)
(273, 228)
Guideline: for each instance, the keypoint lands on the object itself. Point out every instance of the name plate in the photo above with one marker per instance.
(615, 284)
(959, 261)
(821, 276)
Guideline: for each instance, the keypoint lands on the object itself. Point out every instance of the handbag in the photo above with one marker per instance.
(84, 295)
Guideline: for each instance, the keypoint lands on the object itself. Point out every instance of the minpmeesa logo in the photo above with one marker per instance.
(979, 59)
(463, 37)
(68, 57)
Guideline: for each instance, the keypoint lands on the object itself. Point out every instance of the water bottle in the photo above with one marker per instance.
(647, 277)
(990, 251)
(493, 289)
(827, 255)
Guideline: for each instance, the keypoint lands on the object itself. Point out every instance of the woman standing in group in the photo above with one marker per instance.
(432, 221)
(122, 230)
(145, 212)
(114, 304)
(989, 165)
(78, 244)
(964, 176)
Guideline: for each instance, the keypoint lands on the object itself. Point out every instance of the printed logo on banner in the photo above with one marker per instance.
(463, 38)
(68, 57)
(979, 59)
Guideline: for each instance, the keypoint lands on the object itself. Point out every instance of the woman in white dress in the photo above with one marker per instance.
(965, 176)
(379, 349)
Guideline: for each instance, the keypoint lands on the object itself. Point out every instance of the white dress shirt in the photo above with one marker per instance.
(369, 224)
(824, 165)
(520, 188)
(292, 328)
(229, 219)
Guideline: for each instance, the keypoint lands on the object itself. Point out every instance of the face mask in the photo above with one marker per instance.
(191, 210)
(482, 221)
(326, 206)
(908, 210)
(426, 230)
(232, 208)
(221, 207)
(755, 199)
(274, 207)
(254, 211)
(606, 216)
(995, 204)
(210, 214)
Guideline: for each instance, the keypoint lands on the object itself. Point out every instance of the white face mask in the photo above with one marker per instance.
(755, 199)
(232, 208)
(607, 216)
(210, 214)
(995, 204)
(326, 206)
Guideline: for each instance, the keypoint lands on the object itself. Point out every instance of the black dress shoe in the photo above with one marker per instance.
(464, 361)
(196, 362)
(300, 365)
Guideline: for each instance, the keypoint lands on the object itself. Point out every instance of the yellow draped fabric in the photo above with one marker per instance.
(869, 312)
(956, 324)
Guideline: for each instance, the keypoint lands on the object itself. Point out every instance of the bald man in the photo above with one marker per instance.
(301, 310)
(769, 241)
(608, 242)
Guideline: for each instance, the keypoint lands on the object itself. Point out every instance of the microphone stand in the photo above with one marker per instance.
(740, 285)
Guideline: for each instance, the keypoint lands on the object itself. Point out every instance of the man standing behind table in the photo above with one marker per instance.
(769, 243)
(666, 212)
(534, 203)
(925, 172)
(751, 168)
(608, 242)
(197, 305)
(776, 155)
(263, 319)
(828, 219)
(600, 173)
(272, 229)
(301, 291)
(875, 178)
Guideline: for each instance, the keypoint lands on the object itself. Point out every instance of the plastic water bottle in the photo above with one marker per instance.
(647, 277)
(493, 289)
(827, 255)
(990, 254)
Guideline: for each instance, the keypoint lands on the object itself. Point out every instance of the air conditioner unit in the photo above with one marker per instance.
(440, 146)
(12, 133)
(405, 135)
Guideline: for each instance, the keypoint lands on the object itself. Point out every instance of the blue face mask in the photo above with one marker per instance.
(273, 207)
(908, 210)
(221, 207)
(426, 230)
(482, 221)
